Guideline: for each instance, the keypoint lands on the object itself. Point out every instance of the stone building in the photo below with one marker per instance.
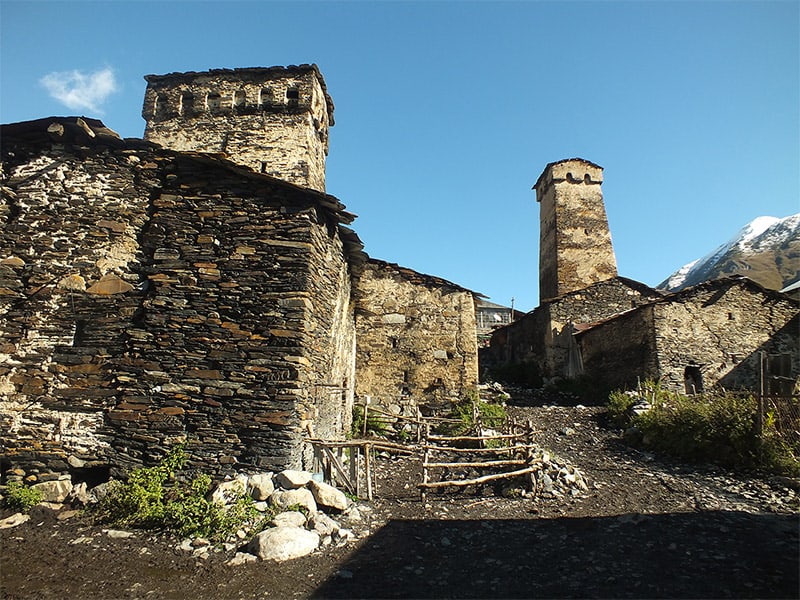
(592, 322)
(715, 334)
(197, 286)
(416, 338)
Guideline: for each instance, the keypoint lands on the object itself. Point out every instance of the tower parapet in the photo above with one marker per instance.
(274, 120)
(575, 248)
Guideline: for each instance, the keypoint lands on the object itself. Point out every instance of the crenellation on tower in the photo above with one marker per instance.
(575, 249)
(273, 120)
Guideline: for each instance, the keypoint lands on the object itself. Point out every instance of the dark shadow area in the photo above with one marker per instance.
(679, 555)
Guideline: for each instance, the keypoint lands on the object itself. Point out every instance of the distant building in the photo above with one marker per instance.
(592, 322)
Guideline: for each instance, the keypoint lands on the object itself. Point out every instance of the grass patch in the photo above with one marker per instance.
(18, 496)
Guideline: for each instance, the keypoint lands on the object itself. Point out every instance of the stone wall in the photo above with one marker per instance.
(417, 342)
(148, 297)
(722, 326)
(545, 336)
(717, 329)
(622, 351)
(273, 120)
(575, 249)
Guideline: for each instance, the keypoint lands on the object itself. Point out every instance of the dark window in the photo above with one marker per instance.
(693, 379)
(293, 94)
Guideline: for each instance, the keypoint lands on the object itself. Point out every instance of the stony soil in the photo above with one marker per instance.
(647, 528)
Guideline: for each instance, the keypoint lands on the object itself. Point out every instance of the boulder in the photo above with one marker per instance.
(79, 495)
(291, 479)
(301, 497)
(14, 520)
(290, 518)
(260, 486)
(227, 491)
(322, 524)
(328, 496)
(283, 543)
(54, 491)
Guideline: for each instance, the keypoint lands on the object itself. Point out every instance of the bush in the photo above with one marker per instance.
(19, 496)
(153, 499)
(719, 428)
(376, 423)
(492, 415)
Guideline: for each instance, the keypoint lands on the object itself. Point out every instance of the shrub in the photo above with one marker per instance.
(153, 499)
(376, 424)
(719, 428)
(19, 496)
(492, 415)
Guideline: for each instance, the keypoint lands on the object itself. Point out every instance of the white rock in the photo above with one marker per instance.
(118, 533)
(260, 486)
(328, 496)
(283, 543)
(291, 479)
(241, 558)
(322, 524)
(289, 518)
(79, 495)
(54, 491)
(286, 498)
(14, 520)
(228, 490)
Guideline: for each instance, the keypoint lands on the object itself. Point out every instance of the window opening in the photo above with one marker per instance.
(693, 379)
(239, 98)
(186, 103)
(292, 94)
(213, 101)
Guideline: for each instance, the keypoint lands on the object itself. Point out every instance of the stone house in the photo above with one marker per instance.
(198, 285)
(416, 338)
(715, 334)
(592, 322)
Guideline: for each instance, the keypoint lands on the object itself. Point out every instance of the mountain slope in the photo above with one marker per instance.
(767, 250)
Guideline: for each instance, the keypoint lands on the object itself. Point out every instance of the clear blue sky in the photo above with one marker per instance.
(447, 112)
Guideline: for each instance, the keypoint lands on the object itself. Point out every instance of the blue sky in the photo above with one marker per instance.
(447, 112)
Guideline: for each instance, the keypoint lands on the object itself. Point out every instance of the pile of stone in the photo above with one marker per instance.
(301, 506)
(557, 479)
(302, 524)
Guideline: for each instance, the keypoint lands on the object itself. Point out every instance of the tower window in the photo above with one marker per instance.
(186, 104)
(239, 98)
(159, 104)
(264, 96)
(213, 101)
(292, 94)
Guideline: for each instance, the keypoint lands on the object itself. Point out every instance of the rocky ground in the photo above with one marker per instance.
(645, 528)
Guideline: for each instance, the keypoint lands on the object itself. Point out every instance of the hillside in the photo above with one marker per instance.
(767, 250)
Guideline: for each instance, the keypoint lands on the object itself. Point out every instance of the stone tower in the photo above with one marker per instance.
(273, 120)
(575, 247)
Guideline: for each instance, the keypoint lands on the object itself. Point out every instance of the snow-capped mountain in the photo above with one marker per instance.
(767, 250)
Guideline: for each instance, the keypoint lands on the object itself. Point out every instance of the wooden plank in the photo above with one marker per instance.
(504, 449)
(486, 464)
(476, 438)
(340, 470)
(477, 480)
(368, 469)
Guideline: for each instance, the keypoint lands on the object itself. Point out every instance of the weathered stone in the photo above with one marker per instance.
(299, 497)
(260, 486)
(290, 479)
(227, 491)
(54, 491)
(290, 518)
(14, 520)
(283, 543)
(328, 496)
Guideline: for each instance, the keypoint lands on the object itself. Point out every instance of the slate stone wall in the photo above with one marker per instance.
(417, 343)
(575, 249)
(148, 297)
(719, 328)
(545, 336)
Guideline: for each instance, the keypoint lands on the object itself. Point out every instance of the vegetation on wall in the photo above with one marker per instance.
(722, 428)
(469, 411)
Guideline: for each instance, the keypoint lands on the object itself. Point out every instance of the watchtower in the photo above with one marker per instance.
(274, 120)
(575, 247)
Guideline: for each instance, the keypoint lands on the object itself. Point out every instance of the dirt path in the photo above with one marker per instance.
(647, 528)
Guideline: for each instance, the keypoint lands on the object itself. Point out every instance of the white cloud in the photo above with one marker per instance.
(79, 90)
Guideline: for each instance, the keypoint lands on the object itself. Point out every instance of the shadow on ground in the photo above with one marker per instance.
(681, 555)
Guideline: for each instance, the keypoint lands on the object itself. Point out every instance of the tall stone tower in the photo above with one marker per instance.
(575, 247)
(274, 120)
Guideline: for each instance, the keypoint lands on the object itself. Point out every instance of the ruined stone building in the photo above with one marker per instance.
(200, 285)
(592, 322)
